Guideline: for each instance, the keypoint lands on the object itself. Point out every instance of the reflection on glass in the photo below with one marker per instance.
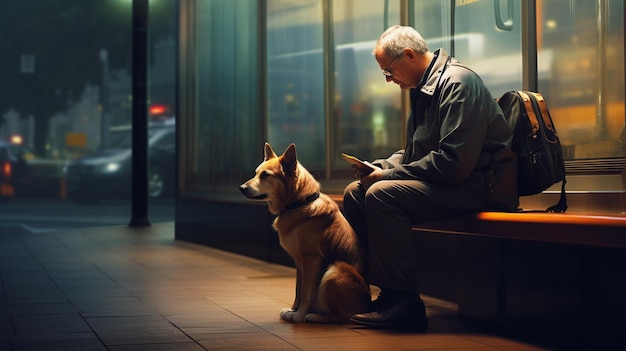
(582, 45)
(227, 96)
(295, 79)
(579, 46)
(365, 109)
(580, 63)
(495, 54)
(367, 119)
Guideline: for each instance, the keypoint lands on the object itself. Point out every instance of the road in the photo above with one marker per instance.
(43, 215)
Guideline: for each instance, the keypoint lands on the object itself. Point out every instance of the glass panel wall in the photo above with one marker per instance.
(581, 44)
(227, 124)
(489, 42)
(295, 79)
(580, 62)
(301, 71)
(432, 19)
(366, 112)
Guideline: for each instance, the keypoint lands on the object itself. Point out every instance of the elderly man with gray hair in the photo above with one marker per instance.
(457, 160)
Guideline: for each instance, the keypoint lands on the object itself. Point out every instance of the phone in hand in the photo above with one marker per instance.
(362, 166)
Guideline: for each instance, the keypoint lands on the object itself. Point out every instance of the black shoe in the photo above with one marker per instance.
(406, 313)
(388, 298)
(385, 299)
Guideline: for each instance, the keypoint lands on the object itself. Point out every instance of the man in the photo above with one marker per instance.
(457, 160)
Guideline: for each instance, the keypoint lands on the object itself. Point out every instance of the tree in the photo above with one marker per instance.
(50, 51)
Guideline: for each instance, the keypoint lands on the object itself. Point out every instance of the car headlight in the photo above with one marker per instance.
(112, 167)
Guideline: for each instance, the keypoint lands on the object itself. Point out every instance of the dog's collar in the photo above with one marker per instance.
(297, 204)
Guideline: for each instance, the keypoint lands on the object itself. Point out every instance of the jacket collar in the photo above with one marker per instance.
(434, 72)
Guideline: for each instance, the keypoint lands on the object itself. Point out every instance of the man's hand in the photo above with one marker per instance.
(368, 179)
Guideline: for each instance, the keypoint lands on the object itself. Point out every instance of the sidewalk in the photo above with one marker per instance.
(120, 288)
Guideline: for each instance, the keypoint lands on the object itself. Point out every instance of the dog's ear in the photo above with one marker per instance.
(269, 153)
(289, 159)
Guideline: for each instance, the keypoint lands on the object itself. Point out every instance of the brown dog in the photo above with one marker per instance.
(311, 228)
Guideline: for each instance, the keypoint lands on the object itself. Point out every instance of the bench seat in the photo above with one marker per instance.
(553, 274)
(595, 229)
(569, 228)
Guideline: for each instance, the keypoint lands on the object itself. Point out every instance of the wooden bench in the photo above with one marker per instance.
(595, 229)
(607, 230)
(548, 273)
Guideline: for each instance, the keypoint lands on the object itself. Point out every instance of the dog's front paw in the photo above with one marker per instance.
(291, 315)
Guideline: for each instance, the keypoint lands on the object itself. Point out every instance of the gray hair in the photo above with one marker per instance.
(397, 38)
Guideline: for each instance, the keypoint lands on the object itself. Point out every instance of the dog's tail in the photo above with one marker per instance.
(343, 292)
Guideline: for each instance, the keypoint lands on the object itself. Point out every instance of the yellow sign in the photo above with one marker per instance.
(465, 2)
(76, 139)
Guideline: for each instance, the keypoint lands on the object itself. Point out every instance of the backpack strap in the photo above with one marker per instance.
(532, 116)
(560, 206)
(544, 111)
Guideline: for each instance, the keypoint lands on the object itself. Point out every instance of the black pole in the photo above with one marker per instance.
(140, 115)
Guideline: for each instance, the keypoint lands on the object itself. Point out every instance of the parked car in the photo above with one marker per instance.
(107, 173)
(14, 172)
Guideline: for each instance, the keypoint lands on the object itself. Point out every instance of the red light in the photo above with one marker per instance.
(7, 190)
(157, 109)
(6, 170)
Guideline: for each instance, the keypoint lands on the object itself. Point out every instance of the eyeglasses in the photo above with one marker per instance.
(386, 71)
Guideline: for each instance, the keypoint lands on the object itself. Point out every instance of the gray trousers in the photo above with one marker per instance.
(382, 217)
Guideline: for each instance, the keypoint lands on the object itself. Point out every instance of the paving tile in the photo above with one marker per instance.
(222, 327)
(503, 344)
(291, 331)
(159, 347)
(244, 342)
(49, 324)
(429, 341)
(126, 289)
(215, 319)
(168, 305)
(13, 252)
(71, 345)
(97, 293)
(30, 285)
(19, 308)
(136, 330)
(45, 337)
(343, 343)
(123, 306)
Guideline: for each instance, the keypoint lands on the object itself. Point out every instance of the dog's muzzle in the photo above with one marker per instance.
(251, 193)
